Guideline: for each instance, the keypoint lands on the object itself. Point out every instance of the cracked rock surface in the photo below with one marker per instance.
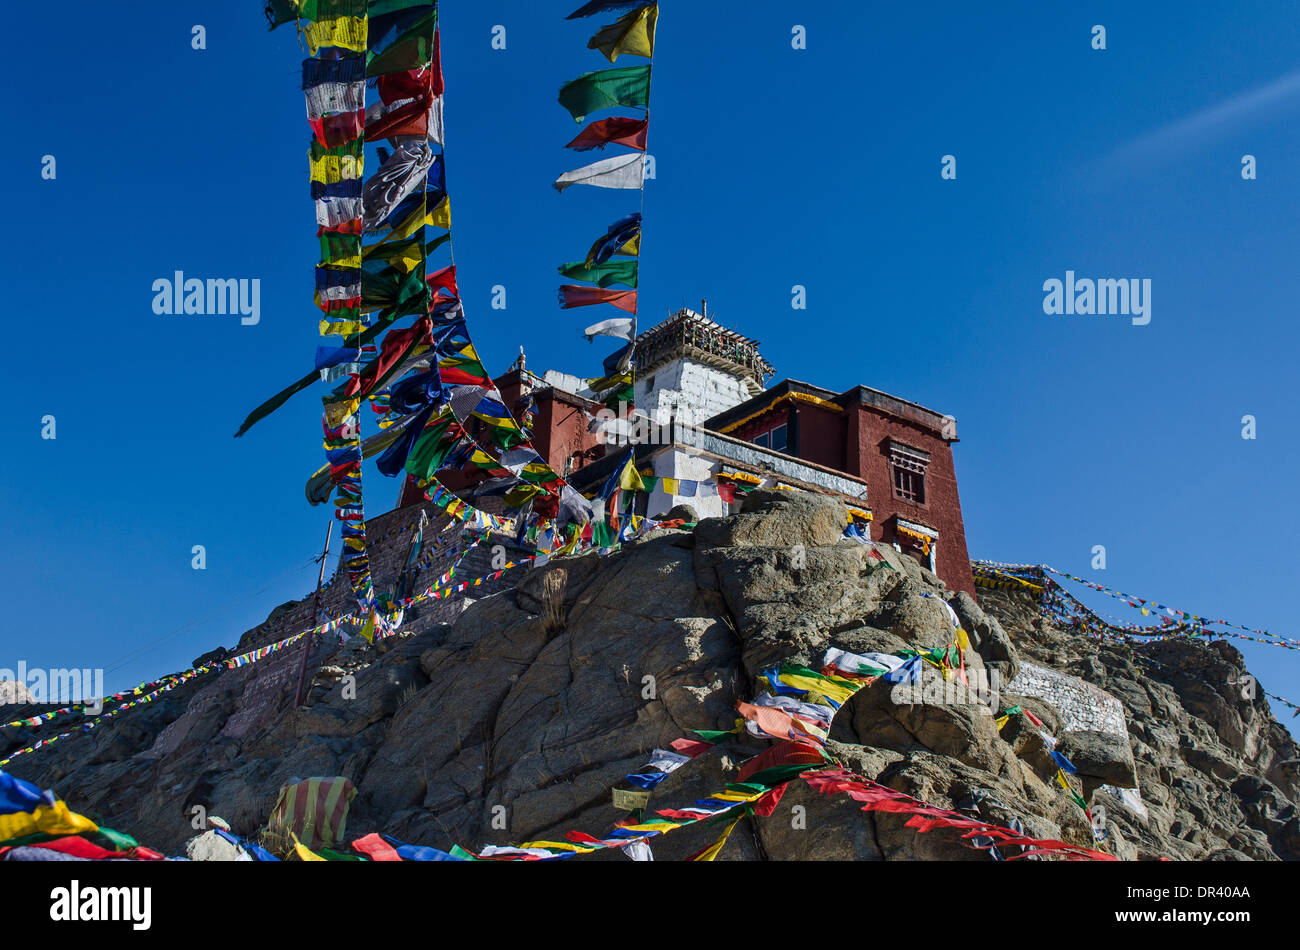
(503, 727)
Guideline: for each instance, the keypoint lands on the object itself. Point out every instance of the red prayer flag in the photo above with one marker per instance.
(395, 348)
(764, 807)
(376, 848)
(690, 747)
(790, 752)
(435, 65)
(619, 130)
(444, 279)
(409, 119)
(339, 128)
(575, 295)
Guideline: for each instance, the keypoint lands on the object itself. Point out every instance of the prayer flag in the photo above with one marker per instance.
(624, 172)
(619, 130)
(632, 33)
(602, 275)
(574, 295)
(616, 240)
(625, 86)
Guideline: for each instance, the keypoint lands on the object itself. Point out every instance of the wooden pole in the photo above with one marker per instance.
(315, 614)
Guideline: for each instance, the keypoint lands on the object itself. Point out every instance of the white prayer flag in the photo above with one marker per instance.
(621, 171)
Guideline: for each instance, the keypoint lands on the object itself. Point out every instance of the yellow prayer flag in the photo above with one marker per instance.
(630, 480)
(653, 826)
(338, 412)
(56, 819)
(711, 852)
(341, 327)
(671, 486)
(440, 217)
(329, 169)
(304, 854)
(348, 32)
(557, 846)
(406, 255)
(820, 685)
(368, 631)
(633, 33)
(632, 248)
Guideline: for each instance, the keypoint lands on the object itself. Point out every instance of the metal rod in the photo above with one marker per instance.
(315, 614)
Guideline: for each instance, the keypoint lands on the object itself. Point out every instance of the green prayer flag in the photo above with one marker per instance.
(120, 841)
(714, 736)
(337, 246)
(602, 536)
(431, 449)
(412, 50)
(780, 774)
(602, 275)
(622, 394)
(329, 854)
(276, 401)
(625, 86)
(746, 788)
(380, 7)
(393, 290)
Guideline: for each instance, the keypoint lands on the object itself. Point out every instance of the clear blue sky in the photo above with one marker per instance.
(775, 167)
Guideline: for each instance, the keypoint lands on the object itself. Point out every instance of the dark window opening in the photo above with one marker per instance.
(773, 438)
(909, 485)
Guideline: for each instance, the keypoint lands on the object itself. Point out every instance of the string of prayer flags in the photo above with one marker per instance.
(629, 87)
(89, 724)
(334, 86)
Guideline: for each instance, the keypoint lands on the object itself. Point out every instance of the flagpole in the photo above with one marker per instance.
(315, 613)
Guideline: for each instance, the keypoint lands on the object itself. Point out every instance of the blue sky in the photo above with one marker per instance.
(775, 167)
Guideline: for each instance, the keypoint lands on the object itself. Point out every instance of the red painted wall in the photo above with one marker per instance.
(560, 430)
(869, 435)
(821, 438)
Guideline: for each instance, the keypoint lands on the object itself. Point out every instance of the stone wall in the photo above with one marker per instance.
(699, 392)
(1082, 706)
(390, 538)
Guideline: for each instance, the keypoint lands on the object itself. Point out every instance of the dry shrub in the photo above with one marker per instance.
(553, 587)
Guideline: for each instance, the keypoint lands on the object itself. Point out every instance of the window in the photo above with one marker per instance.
(773, 438)
(909, 485)
(909, 466)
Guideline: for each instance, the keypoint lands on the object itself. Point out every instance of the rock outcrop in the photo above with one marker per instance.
(514, 721)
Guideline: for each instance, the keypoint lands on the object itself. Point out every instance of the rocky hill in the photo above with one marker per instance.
(515, 721)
